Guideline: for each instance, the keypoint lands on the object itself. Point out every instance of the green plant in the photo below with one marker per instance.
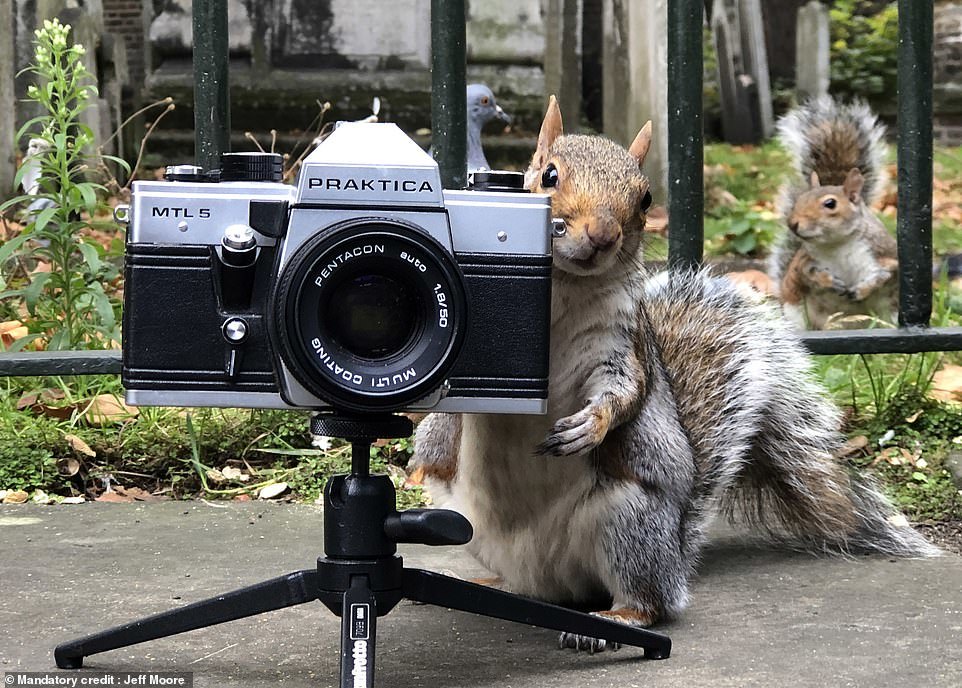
(68, 301)
(27, 447)
(864, 49)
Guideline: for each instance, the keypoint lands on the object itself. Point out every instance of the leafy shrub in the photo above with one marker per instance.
(67, 302)
(864, 52)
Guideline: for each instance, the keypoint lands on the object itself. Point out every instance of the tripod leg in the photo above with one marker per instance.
(444, 591)
(277, 593)
(358, 625)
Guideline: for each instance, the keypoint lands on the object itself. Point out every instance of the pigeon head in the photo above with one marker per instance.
(482, 107)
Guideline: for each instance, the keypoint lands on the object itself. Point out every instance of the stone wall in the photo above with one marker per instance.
(288, 54)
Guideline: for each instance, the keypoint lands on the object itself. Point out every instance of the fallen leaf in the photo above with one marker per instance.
(79, 445)
(215, 475)
(853, 446)
(139, 494)
(105, 409)
(40, 497)
(11, 331)
(73, 500)
(272, 491)
(16, 497)
(232, 473)
(914, 417)
(114, 497)
(242, 498)
(947, 383)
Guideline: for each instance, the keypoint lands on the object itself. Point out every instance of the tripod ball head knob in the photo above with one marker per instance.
(428, 527)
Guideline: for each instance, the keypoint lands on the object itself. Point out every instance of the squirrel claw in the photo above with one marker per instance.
(574, 641)
(575, 434)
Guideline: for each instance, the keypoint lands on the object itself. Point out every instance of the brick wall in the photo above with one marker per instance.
(129, 19)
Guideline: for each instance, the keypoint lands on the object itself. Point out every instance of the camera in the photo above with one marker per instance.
(366, 287)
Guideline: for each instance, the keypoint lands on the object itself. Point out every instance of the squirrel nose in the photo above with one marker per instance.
(602, 232)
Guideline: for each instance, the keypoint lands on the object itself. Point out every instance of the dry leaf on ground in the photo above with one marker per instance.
(16, 497)
(105, 409)
(78, 445)
(272, 491)
(947, 383)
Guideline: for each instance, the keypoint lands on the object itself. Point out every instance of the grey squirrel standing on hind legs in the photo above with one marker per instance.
(668, 399)
(837, 258)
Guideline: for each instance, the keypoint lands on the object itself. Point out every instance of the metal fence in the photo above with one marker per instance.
(685, 163)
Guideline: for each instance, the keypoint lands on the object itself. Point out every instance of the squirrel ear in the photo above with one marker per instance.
(814, 181)
(852, 186)
(551, 129)
(639, 147)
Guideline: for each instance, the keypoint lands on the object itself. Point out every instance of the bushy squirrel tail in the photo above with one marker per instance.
(794, 485)
(828, 138)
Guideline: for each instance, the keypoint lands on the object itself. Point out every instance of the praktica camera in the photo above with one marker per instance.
(364, 288)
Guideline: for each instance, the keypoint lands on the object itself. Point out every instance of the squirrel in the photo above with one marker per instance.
(670, 397)
(837, 258)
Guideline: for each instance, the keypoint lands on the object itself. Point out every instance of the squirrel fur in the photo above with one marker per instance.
(670, 398)
(837, 257)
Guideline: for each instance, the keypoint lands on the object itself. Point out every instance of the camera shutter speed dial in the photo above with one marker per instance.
(251, 167)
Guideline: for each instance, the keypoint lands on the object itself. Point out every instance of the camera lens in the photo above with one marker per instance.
(372, 316)
(369, 314)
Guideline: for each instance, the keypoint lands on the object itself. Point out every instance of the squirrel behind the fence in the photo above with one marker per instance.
(669, 398)
(836, 257)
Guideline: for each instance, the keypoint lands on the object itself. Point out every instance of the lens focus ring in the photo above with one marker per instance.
(370, 314)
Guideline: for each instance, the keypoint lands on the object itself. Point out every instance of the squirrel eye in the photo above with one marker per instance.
(830, 203)
(550, 176)
(646, 202)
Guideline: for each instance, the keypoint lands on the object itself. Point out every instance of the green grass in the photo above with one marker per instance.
(180, 451)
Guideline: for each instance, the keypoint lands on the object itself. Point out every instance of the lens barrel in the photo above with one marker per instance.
(369, 314)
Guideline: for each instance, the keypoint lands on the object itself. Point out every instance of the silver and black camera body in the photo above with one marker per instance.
(366, 288)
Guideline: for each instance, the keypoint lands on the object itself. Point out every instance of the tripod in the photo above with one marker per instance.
(361, 577)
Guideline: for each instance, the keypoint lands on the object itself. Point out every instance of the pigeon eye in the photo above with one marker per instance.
(646, 202)
(830, 203)
(550, 176)
(484, 100)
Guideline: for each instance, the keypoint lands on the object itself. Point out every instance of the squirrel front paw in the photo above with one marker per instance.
(826, 280)
(577, 433)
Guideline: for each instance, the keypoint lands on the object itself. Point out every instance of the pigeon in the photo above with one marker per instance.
(30, 181)
(482, 108)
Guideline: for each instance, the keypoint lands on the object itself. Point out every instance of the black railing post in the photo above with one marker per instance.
(915, 162)
(448, 98)
(686, 236)
(211, 85)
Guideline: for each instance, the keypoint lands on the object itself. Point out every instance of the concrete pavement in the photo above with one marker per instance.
(759, 616)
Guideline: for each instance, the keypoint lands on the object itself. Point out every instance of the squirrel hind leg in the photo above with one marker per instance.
(436, 444)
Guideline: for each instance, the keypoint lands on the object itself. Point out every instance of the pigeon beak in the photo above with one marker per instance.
(502, 115)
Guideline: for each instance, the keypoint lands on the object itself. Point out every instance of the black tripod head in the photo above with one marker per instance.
(361, 520)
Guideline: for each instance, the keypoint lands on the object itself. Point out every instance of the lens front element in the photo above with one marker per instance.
(369, 314)
(372, 316)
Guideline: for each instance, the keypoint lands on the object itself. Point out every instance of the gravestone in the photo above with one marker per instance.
(635, 77)
(8, 112)
(562, 55)
(744, 88)
(812, 50)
